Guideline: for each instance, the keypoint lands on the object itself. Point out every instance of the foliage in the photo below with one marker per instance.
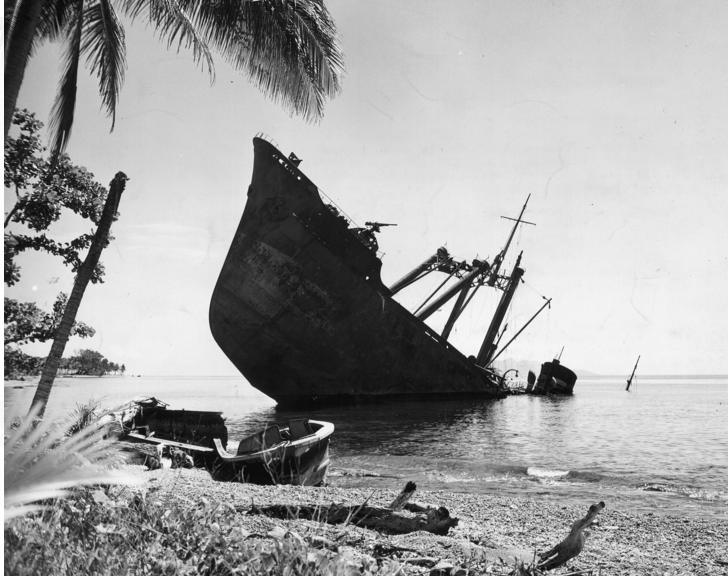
(42, 460)
(41, 195)
(83, 416)
(17, 363)
(89, 363)
(85, 273)
(287, 48)
(83, 363)
(25, 322)
(97, 532)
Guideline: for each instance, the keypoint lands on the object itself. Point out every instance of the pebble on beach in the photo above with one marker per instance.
(490, 527)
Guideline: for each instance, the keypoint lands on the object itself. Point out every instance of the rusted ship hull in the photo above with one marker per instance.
(301, 311)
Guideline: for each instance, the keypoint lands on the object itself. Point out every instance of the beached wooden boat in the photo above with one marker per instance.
(148, 420)
(297, 454)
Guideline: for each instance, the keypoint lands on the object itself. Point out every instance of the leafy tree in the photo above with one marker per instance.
(25, 322)
(287, 48)
(40, 201)
(17, 363)
(42, 195)
(42, 190)
(89, 362)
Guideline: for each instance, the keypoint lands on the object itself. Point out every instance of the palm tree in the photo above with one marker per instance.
(287, 48)
(63, 332)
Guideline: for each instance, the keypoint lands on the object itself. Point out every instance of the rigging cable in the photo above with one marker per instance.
(548, 316)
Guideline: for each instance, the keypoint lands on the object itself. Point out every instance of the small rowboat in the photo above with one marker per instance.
(297, 454)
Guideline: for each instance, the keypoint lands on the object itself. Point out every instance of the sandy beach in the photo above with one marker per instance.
(489, 527)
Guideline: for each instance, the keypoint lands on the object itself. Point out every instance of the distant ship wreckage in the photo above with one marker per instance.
(300, 308)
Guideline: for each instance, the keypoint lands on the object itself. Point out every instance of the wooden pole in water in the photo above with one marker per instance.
(629, 382)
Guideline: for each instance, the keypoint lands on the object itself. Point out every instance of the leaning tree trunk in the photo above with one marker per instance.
(60, 339)
(18, 44)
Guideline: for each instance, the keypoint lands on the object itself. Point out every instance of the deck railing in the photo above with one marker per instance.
(325, 198)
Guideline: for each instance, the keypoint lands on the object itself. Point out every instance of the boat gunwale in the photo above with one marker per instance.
(326, 429)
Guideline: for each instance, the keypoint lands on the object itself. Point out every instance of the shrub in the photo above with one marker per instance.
(92, 533)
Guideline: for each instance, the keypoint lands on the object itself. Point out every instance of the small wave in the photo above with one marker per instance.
(451, 477)
(541, 473)
(695, 493)
(584, 476)
(355, 473)
(657, 488)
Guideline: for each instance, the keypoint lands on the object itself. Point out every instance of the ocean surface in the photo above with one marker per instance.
(662, 447)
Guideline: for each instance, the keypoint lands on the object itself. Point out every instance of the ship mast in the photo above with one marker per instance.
(489, 344)
(499, 259)
(629, 382)
(470, 276)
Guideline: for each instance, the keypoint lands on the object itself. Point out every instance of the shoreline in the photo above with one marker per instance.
(490, 526)
(647, 491)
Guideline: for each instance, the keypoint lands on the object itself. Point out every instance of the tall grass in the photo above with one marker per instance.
(98, 532)
(59, 521)
(42, 461)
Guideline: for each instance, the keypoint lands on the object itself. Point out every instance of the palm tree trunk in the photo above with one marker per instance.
(50, 369)
(17, 51)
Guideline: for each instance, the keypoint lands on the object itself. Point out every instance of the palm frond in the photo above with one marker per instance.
(174, 20)
(288, 49)
(83, 416)
(54, 19)
(42, 462)
(318, 36)
(103, 42)
(61, 119)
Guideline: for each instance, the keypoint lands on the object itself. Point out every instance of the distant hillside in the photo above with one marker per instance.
(523, 366)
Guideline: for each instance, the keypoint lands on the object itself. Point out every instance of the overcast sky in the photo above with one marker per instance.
(611, 115)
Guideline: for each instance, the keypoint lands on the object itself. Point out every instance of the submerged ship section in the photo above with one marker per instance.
(300, 308)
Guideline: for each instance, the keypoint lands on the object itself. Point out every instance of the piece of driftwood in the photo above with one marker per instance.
(435, 520)
(400, 501)
(571, 546)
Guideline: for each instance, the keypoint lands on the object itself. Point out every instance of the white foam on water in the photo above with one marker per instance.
(538, 472)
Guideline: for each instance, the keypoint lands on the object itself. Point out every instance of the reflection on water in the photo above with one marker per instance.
(668, 435)
(672, 438)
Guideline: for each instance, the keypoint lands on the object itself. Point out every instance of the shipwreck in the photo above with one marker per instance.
(301, 310)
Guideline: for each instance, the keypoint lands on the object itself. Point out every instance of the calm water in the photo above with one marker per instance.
(663, 446)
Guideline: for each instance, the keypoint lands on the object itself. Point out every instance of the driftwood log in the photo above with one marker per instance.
(571, 546)
(435, 520)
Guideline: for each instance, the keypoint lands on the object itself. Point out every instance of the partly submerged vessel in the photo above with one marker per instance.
(297, 454)
(300, 308)
(554, 378)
